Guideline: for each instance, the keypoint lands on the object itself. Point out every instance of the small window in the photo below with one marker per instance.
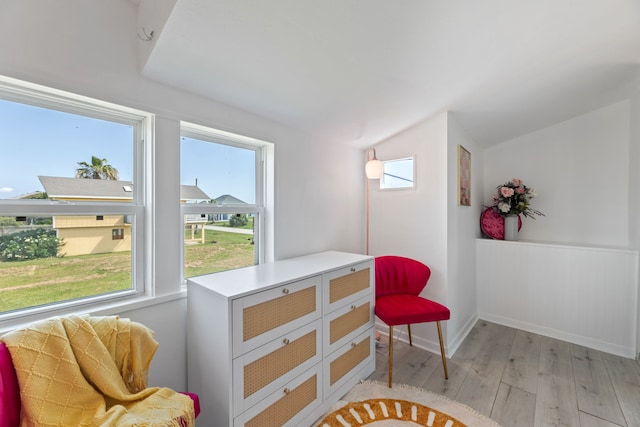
(398, 173)
(117, 234)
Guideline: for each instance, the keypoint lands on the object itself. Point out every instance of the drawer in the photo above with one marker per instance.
(264, 316)
(288, 405)
(346, 285)
(268, 368)
(340, 366)
(346, 323)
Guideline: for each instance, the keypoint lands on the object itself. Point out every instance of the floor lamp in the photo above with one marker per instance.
(374, 170)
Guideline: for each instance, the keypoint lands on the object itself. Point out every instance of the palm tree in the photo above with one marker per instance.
(98, 169)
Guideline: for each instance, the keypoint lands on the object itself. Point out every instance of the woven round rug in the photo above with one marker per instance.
(372, 403)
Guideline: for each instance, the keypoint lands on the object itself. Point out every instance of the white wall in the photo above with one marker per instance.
(586, 171)
(411, 222)
(462, 230)
(634, 179)
(91, 48)
(580, 169)
(428, 225)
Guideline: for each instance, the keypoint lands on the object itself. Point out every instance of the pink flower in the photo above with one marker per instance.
(506, 191)
(513, 197)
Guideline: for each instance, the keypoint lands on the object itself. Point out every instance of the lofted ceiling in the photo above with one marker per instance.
(359, 71)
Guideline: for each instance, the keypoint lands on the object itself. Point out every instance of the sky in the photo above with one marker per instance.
(37, 141)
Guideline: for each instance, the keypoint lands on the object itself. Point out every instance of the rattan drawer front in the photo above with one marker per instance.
(264, 316)
(271, 314)
(343, 364)
(277, 363)
(286, 407)
(346, 323)
(349, 322)
(270, 367)
(344, 286)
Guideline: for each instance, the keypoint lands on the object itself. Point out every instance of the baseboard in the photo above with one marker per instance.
(561, 335)
(455, 342)
(450, 346)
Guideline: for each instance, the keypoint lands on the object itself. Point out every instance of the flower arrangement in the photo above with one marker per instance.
(513, 197)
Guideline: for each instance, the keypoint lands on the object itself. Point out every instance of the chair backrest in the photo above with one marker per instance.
(400, 275)
(9, 390)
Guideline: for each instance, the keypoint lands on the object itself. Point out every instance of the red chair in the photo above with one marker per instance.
(399, 282)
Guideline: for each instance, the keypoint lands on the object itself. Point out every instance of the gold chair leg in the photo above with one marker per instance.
(444, 359)
(390, 355)
(410, 341)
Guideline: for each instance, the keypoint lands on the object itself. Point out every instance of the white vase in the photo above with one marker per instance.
(511, 227)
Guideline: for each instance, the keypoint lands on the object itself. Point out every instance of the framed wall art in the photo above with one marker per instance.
(464, 177)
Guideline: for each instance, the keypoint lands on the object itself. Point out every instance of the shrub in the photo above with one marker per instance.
(29, 244)
(238, 220)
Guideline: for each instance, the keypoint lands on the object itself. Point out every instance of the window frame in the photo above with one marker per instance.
(264, 154)
(39, 96)
(384, 174)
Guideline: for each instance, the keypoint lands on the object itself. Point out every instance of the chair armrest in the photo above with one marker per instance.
(196, 401)
(10, 404)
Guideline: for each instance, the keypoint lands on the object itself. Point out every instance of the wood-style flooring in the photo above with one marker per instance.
(521, 379)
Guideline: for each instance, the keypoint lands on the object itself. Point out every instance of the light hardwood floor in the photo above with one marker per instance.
(522, 379)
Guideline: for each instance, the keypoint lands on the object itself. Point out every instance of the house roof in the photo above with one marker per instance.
(78, 188)
(227, 199)
(192, 192)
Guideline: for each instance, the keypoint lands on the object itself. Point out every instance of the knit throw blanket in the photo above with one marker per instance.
(91, 371)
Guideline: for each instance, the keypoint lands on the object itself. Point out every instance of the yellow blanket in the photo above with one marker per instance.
(91, 371)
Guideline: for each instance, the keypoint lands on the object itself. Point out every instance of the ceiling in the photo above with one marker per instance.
(359, 71)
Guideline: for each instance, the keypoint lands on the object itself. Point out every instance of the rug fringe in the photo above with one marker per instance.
(428, 392)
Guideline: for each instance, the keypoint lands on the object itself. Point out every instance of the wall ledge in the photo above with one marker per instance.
(572, 245)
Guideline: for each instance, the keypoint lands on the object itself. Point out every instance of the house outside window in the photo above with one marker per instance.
(71, 170)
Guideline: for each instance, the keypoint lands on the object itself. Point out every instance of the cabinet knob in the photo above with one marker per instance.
(285, 291)
(286, 391)
(353, 269)
(286, 341)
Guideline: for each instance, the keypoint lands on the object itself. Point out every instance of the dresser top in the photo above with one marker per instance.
(242, 281)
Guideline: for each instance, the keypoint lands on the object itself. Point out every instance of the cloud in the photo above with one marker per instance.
(6, 189)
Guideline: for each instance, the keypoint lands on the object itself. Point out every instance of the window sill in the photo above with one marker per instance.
(22, 319)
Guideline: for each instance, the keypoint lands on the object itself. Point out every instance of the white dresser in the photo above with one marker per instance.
(279, 343)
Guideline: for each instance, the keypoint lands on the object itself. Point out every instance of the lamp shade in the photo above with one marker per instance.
(374, 169)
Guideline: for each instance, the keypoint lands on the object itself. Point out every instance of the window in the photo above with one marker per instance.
(398, 173)
(222, 199)
(72, 199)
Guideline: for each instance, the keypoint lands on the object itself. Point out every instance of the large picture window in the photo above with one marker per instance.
(221, 177)
(72, 198)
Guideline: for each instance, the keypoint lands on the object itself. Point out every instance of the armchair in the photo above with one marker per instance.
(66, 371)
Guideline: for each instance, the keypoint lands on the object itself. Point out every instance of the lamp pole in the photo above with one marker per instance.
(374, 170)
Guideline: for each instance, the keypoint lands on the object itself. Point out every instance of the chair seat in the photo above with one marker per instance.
(404, 309)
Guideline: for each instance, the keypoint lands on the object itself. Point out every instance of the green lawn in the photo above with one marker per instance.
(42, 281)
(221, 251)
